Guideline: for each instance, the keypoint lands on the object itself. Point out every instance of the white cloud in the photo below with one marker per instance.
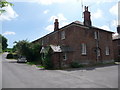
(98, 14)
(62, 21)
(46, 11)
(9, 33)
(9, 14)
(59, 16)
(53, 1)
(114, 9)
(115, 23)
(105, 27)
(50, 28)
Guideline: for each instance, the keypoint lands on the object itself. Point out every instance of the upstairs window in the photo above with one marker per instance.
(63, 35)
(96, 35)
(83, 45)
(107, 51)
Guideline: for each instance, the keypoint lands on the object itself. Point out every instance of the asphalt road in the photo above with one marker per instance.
(16, 75)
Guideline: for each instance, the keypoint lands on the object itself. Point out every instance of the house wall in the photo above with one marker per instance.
(116, 48)
(75, 35)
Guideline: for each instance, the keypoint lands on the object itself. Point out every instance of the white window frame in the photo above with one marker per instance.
(84, 50)
(107, 50)
(63, 35)
(95, 35)
(64, 56)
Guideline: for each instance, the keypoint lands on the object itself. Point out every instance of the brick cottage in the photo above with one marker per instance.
(78, 42)
(116, 44)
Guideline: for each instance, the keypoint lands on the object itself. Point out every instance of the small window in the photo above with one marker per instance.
(107, 51)
(96, 35)
(84, 49)
(64, 56)
(42, 41)
(98, 52)
(63, 35)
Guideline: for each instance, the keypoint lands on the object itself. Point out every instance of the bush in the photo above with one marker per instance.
(9, 56)
(15, 56)
(117, 59)
(47, 63)
(76, 65)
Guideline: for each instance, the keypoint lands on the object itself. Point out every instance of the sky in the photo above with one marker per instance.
(32, 19)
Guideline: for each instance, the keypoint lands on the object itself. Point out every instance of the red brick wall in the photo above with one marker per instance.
(116, 47)
(74, 37)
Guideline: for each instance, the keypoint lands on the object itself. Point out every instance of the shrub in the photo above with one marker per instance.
(15, 56)
(47, 63)
(117, 59)
(76, 65)
(9, 56)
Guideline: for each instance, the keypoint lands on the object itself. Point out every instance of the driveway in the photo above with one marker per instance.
(16, 75)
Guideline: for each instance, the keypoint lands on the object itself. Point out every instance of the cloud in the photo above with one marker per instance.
(9, 14)
(59, 16)
(62, 21)
(114, 10)
(56, 1)
(105, 27)
(46, 11)
(50, 28)
(98, 14)
(115, 23)
(9, 33)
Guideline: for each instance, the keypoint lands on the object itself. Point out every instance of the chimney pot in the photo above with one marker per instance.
(118, 29)
(56, 25)
(87, 20)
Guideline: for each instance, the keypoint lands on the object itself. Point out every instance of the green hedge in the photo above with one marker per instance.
(75, 64)
(9, 56)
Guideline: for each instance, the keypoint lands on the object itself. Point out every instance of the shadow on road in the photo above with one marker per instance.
(89, 67)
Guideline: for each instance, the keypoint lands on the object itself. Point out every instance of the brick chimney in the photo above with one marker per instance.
(118, 29)
(56, 25)
(87, 20)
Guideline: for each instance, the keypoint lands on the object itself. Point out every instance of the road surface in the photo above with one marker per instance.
(16, 75)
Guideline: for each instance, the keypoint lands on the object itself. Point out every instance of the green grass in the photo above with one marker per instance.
(30, 63)
(35, 63)
(40, 66)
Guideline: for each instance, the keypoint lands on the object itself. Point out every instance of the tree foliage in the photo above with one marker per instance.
(3, 42)
(30, 51)
(4, 3)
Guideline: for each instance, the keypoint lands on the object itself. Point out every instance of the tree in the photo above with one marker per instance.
(3, 42)
(29, 50)
(4, 3)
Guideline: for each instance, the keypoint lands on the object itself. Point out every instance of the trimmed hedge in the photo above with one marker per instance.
(9, 56)
(75, 65)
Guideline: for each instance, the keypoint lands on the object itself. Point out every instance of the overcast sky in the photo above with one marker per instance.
(32, 19)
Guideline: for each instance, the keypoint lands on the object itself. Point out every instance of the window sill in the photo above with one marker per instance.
(84, 54)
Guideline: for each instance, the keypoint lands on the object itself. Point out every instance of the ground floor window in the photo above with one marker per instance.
(107, 51)
(64, 56)
(98, 52)
(84, 51)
